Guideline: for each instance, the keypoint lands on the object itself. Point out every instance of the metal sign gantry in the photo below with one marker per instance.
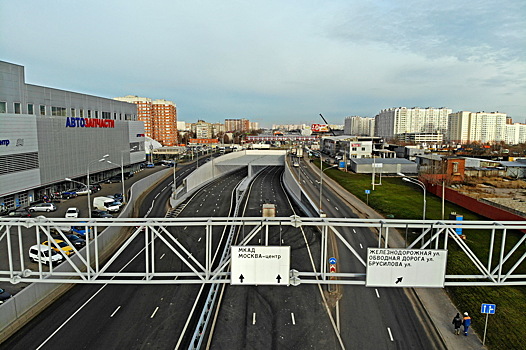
(200, 263)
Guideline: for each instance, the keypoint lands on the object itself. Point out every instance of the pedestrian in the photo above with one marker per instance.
(457, 322)
(466, 322)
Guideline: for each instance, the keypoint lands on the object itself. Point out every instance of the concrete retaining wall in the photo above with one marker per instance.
(30, 301)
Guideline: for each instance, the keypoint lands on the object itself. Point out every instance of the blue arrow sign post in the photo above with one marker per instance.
(332, 261)
(487, 309)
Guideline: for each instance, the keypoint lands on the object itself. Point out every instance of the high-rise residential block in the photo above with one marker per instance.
(159, 117)
(242, 125)
(359, 126)
(484, 127)
(393, 121)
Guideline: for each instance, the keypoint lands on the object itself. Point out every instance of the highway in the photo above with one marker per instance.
(370, 318)
(262, 317)
(129, 316)
(275, 317)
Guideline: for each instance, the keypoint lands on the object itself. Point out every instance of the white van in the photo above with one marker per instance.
(46, 256)
(106, 204)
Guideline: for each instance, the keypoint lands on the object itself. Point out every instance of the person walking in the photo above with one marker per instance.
(457, 322)
(466, 322)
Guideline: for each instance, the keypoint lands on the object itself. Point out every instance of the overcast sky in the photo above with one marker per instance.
(277, 61)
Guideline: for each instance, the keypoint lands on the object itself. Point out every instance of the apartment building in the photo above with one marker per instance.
(159, 117)
(515, 133)
(484, 127)
(242, 125)
(393, 121)
(359, 126)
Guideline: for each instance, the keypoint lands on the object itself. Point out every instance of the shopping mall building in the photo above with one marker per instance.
(48, 135)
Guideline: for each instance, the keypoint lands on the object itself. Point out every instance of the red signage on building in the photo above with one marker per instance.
(319, 128)
(203, 141)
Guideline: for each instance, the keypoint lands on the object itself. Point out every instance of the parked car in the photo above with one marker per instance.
(81, 231)
(42, 207)
(118, 197)
(46, 255)
(100, 214)
(62, 246)
(95, 188)
(19, 213)
(150, 165)
(72, 213)
(76, 241)
(4, 295)
(82, 191)
(128, 174)
(116, 178)
(68, 194)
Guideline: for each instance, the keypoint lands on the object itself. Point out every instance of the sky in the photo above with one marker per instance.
(277, 62)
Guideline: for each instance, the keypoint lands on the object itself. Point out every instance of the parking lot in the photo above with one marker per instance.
(80, 202)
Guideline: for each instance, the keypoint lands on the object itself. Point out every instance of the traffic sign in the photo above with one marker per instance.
(332, 269)
(488, 309)
(390, 267)
(367, 191)
(332, 261)
(264, 265)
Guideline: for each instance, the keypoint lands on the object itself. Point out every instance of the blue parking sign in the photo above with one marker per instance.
(488, 309)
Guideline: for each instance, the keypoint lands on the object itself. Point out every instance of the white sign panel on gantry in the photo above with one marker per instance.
(253, 265)
(391, 267)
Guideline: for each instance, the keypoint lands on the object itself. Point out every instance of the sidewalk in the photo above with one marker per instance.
(435, 301)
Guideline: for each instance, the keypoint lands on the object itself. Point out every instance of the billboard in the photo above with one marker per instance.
(319, 128)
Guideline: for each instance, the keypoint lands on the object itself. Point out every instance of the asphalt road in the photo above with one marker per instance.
(371, 318)
(263, 317)
(126, 316)
(275, 317)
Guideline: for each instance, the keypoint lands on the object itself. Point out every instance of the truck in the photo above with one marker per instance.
(105, 203)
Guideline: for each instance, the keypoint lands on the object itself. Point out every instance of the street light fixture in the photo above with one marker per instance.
(122, 173)
(89, 189)
(422, 186)
(321, 178)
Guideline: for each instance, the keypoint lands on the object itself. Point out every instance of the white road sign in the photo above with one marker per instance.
(389, 267)
(253, 265)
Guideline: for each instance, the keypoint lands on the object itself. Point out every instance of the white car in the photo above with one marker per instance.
(42, 207)
(47, 255)
(72, 213)
(83, 191)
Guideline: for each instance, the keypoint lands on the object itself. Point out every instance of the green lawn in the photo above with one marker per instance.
(507, 328)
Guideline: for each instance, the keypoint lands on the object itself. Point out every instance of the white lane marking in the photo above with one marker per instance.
(328, 200)
(185, 227)
(336, 208)
(154, 312)
(199, 240)
(361, 246)
(390, 334)
(114, 312)
(254, 318)
(377, 294)
(151, 207)
(293, 319)
(86, 303)
(157, 195)
(164, 188)
(162, 256)
(353, 230)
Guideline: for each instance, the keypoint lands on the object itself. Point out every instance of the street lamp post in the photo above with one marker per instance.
(422, 186)
(122, 173)
(89, 189)
(321, 178)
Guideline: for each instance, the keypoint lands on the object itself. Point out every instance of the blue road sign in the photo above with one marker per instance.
(488, 309)
(332, 261)
(367, 191)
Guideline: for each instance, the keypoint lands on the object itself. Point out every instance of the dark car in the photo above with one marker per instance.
(116, 178)
(95, 188)
(128, 174)
(69, 194)
(76, 241)
(19, 213)
(118, 197)
(100, 214)
(4, 295)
